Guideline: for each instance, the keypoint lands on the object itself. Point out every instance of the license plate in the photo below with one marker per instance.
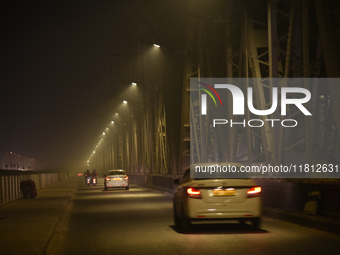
(117, 179)
(226, 192)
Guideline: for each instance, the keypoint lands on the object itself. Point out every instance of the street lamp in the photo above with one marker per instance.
(140, 97)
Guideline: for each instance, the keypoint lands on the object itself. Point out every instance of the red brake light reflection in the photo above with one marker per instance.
(126, 178)
(107, 179)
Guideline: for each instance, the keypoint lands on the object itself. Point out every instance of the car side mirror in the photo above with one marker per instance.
(176, 181)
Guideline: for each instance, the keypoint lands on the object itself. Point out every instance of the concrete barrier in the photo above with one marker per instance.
(10, 183)
(158, 181)
(293, 196)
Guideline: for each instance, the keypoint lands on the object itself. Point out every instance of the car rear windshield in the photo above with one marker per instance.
(116, 172)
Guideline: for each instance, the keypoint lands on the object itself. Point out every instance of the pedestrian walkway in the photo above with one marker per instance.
(27, 225)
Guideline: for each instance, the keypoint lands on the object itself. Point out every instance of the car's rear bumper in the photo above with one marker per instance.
(199, 210)
(113, 184)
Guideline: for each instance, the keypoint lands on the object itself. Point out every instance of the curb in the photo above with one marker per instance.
(49, 240)
(157, 188)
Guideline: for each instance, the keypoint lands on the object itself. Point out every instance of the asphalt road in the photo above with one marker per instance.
(140, 221)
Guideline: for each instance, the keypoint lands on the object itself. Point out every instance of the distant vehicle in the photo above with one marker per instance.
(116, 178)
(216, 199)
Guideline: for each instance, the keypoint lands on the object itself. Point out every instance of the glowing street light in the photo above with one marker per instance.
(103, 133)
(94, 151)
(134, 83)
(112, 121)
(124, 101)
(156, 45)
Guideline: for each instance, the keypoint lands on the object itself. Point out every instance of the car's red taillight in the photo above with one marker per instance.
(254, 192)
(126, 178)
(107, 179)
(193, 193)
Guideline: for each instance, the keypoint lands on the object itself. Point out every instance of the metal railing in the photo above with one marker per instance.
(10, 182)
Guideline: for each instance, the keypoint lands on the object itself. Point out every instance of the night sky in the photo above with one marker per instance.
(55, 64)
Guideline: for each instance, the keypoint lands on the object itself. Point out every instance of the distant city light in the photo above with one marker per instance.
(103, 133)
(112, 121)
(134, 83)
(124, 101)
(156, 45)
(94, 151)
(116, 113)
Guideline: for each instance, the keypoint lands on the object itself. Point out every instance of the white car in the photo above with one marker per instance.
(116, 178)
(216, 199)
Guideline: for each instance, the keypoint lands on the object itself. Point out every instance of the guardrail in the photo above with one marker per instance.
(10, 182)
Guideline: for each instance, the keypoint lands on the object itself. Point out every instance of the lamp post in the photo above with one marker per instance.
(133, 149)
(138, 142)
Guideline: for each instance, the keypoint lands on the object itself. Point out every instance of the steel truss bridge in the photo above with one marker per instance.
(234, 39)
